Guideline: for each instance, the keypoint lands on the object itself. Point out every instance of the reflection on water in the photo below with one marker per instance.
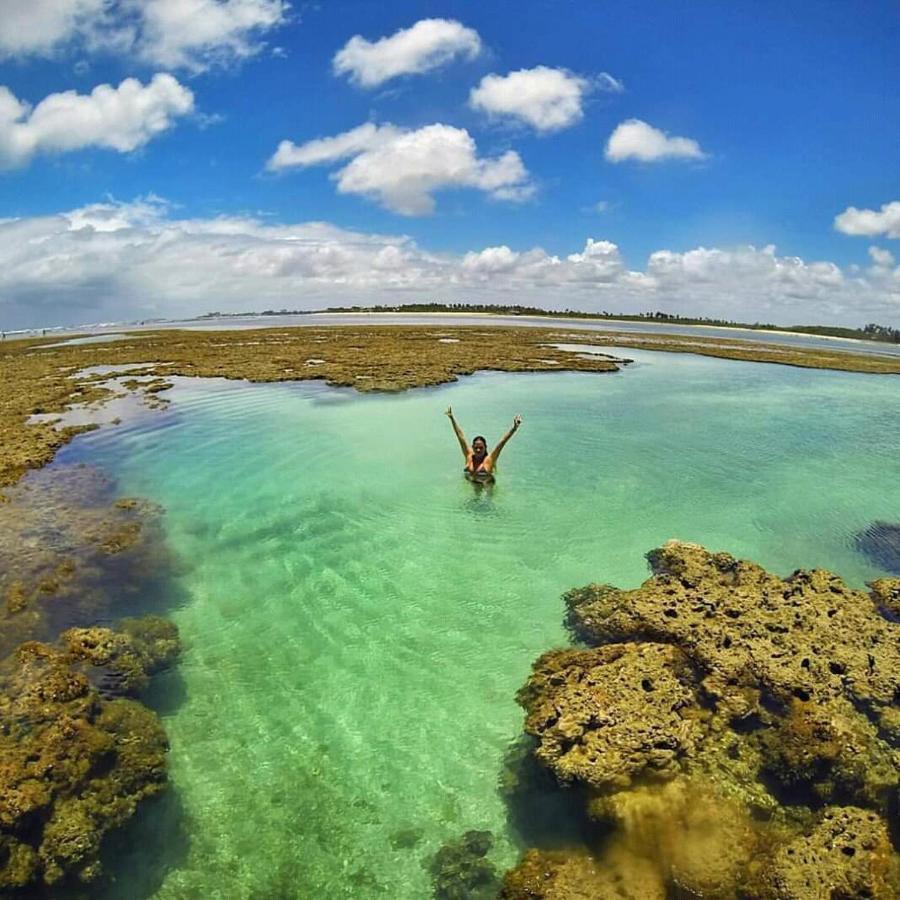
(361, 617)
(880, 542)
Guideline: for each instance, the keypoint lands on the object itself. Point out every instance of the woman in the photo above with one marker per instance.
(481, 465)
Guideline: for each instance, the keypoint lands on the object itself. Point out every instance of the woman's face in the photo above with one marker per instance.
(479, 447)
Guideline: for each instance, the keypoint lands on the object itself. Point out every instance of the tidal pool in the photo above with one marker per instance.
(358, 618)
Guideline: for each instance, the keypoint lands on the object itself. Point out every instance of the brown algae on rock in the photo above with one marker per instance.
(73, 763)
(735, 731)
(77, 751)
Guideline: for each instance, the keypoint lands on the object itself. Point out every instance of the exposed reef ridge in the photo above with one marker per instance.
(737, 733)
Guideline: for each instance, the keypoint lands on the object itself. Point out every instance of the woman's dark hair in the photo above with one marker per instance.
(479, 437)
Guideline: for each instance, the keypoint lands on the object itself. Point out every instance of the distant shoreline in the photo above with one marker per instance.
(889, 336)
(872, 333)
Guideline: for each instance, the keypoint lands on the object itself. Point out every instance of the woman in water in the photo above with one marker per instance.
(481, 465)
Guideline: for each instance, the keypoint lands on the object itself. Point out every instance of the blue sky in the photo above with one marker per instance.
(788, 117)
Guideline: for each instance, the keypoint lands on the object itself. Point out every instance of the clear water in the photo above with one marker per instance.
(360, 618)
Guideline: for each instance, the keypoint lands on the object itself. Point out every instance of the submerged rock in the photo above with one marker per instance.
(73, 765)
(460, 870)
(881, 543)
(578, 875)
(125, 659)
(718, 711)
(71, 554)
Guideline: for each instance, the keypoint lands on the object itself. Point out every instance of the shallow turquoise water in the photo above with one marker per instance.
(360, 619)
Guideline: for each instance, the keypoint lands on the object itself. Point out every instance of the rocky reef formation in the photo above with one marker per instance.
(75, 758)
(460, 869)
(736, 732)
(886, 592)
(78, 752)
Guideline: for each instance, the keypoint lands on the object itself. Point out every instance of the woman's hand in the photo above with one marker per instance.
(517, 421)
(449, 412)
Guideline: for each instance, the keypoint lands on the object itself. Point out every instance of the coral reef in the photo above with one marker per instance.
(461, 871)
(77, 751)
(847, 854)
(73, 763)
(886, 593)
(125, 659)
(579, 875)
(737, 731)
(581, 705)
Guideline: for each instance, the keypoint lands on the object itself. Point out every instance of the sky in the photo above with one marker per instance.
(167, 158)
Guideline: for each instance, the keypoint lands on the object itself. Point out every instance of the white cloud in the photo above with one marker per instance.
(195, 34)
(427, 45)
(634, 139)
(188, 34)
(119, 118)
(402, 169)
(777, 280)
(38, 26)
(115, 261)
(605, 82)
(331, 149)
(870, 222)
(547, 99)
(881, 257)
(491, 260)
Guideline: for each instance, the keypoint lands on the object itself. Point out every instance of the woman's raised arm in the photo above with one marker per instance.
(463, 445)
(517, 421)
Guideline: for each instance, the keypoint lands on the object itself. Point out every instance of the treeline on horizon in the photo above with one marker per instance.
(871, 332)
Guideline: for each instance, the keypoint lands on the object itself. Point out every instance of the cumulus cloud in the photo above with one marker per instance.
(195, 34)
(881, 257)
(634, 139)
(188, 34)
(126, 261)
(39, 26)
(119, 118)
(547, 99)
(870, 222)
(402, 169)
(778, 284)
(331, 149)
(427, 45)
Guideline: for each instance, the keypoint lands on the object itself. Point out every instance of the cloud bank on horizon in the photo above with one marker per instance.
(485, 152)
(78, 265)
